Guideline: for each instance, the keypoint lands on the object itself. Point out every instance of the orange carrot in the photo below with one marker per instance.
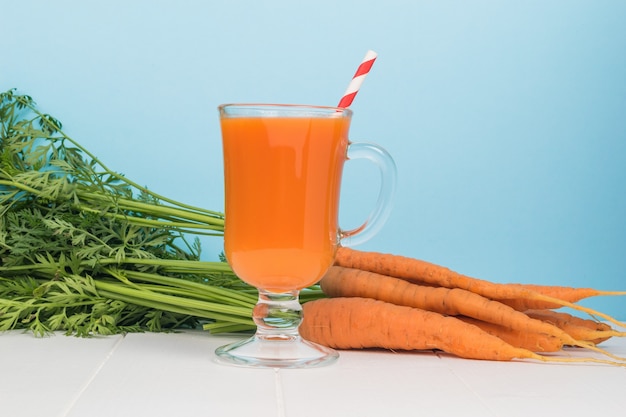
(569, 294)
(535, 342)
(358, 323)
(348, 282)
(419, 271)
(577, 327)
(523, 304)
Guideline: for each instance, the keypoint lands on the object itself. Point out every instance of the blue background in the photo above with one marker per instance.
(506, 119)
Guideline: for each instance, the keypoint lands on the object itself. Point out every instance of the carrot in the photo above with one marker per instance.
(360, 323)
(535, 342)
(420, 271)
(577, 327)
(569, 294)
(348, 282)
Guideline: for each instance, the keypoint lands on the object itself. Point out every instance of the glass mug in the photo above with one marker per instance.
(283, 166)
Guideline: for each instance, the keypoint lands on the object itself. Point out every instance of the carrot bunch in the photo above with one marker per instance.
(378, 300)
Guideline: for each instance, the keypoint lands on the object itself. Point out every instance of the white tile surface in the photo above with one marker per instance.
(380, 384)
(175, 375)
(43, 376)
(523, 389)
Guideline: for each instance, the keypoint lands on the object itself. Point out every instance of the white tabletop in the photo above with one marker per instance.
(176, 375)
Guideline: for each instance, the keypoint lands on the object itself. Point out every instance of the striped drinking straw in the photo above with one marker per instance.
(357, 79)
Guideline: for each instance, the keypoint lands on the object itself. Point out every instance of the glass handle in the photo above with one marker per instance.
(382, 209)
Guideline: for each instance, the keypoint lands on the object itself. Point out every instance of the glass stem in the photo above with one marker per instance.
(277, 315)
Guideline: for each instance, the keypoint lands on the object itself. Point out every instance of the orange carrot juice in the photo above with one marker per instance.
(282, 185)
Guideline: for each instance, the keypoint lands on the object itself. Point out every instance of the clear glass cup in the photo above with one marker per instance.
(283, 166)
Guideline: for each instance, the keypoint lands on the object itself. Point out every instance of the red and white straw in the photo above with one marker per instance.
(357, 79)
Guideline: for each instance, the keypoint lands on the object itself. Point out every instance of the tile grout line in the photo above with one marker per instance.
(280, 398)
(87, 383)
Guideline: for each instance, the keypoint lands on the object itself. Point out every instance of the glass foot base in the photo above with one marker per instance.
(292, 352)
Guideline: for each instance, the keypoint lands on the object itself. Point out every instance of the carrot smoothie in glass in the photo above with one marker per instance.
(283, 165)
(282, 179)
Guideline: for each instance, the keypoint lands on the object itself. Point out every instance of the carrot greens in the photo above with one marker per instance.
(86, 250)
